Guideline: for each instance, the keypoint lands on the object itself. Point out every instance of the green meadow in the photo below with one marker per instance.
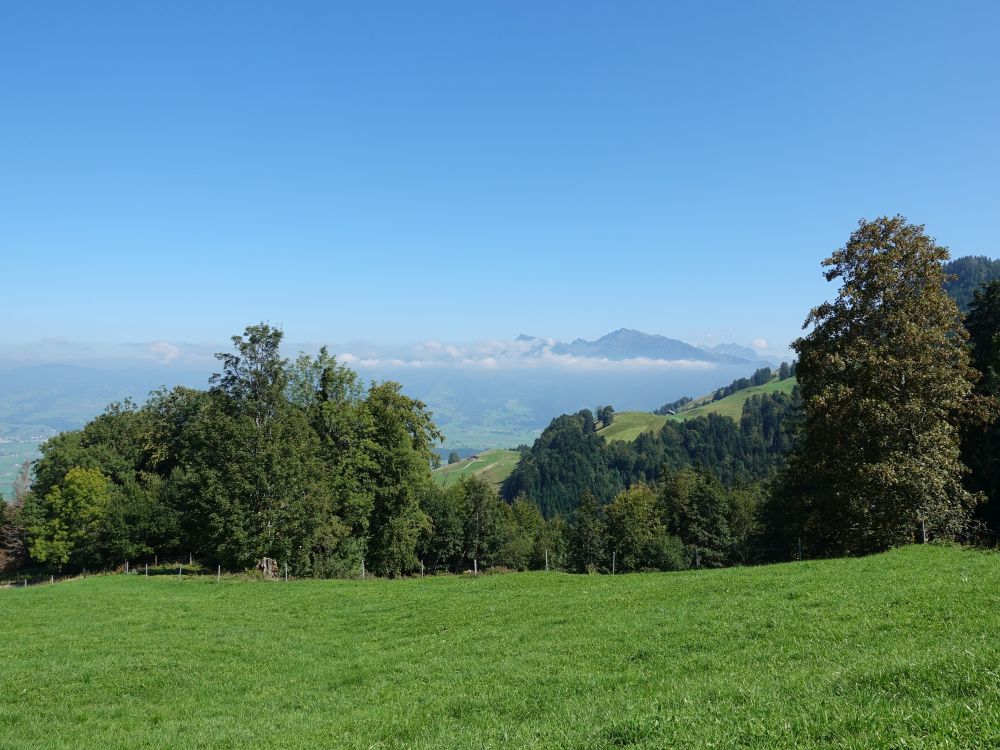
(628, 425)
(732, 405)
(493, 465)
(898, 650)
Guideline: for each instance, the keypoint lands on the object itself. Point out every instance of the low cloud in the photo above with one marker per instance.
(523, 354)
(496, 354)
(164, 351)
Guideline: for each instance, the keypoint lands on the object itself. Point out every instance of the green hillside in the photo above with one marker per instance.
(732, 406)
(494, 466)
(628, 425)
(891, 651)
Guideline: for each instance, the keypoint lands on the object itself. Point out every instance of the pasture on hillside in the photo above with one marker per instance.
(493, 466)
(629, 425)
(892, 651)
(732, 405)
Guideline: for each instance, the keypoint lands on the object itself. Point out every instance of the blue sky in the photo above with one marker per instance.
(399, 172)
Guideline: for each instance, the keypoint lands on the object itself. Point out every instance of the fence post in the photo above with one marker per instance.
(800, 549)
(923, 531)
(362, 568)
(475, 567)
(614, 560)
(546, 561)
(52, 579)
(179, 567)
(190, 558)
(218, 574)
(697, 557)
(156, 560)
(147, 570)
(421, 568)
(286, 572)
(126, 567)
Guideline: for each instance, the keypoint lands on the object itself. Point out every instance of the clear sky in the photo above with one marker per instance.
(414, 171)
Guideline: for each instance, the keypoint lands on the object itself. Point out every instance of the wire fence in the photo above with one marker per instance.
(186, 566)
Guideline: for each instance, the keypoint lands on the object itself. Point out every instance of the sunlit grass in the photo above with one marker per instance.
(898, 650)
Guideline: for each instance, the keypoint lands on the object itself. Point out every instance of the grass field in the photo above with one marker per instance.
(630, 424)
(732, 406)
(893, 651)
(494, 466)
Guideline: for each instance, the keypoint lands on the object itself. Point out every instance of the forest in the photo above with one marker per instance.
(889, 439)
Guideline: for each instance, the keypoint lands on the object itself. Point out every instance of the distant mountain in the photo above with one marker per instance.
(744, 353)
(971, 272)
(627, 343)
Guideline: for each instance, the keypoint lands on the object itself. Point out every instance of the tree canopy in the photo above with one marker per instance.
(885, 376)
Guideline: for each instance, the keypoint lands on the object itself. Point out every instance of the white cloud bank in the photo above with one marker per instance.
(495, 354)
(487, 355)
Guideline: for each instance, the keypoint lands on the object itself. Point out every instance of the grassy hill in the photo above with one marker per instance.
(628, 425)
(891, 651)
(732, 406)
(494, 466)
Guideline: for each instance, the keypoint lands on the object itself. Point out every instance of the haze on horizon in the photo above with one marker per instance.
(447, 172)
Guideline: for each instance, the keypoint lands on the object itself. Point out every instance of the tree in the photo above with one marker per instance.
(606, 415)
(12, 537)
(69, 518)
(252, 479)
(443, 540)
(884, 375)
(634, 529)
(696, 509)
(981, 440)
(402, 442)
(524, 546)
(587, 540)
(453, 458)
(483, 521)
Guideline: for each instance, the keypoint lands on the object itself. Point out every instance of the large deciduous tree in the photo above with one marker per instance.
(885, 377)
(67, 522)
(254, 481)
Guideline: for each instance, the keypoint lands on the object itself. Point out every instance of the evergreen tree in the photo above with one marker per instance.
(981, 439)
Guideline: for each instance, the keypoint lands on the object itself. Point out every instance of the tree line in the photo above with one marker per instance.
(297, 461)
(890, 437)
(570, 458)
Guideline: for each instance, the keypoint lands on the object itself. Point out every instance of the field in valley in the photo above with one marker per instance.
(892, 651)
